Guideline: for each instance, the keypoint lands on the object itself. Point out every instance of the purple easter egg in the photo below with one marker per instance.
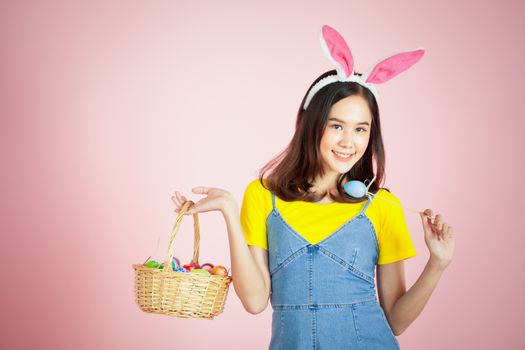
(207, 266)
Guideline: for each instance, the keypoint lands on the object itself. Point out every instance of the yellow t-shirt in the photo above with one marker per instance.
(315, 221)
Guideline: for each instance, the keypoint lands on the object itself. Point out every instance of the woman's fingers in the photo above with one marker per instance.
(438, 221)
(182, 198)
(179, 200)
(436, 226)
(450, 232)
(179, 197)
(426, 218)
(175, 201)
(444, 231)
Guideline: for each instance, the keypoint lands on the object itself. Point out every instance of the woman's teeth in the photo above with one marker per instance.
(342, 155)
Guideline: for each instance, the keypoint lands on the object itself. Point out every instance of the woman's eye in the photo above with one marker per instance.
(360, 130)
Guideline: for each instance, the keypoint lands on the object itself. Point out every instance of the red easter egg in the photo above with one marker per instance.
(188, 267)
(195, 265)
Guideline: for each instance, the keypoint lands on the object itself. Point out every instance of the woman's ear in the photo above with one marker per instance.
(391, 66)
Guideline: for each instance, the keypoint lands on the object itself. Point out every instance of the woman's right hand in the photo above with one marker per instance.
(216, 199)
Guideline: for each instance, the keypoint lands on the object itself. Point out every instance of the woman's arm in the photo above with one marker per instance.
(250, 274)
(403, 307)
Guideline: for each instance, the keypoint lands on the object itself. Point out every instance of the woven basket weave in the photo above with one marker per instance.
(180, 294)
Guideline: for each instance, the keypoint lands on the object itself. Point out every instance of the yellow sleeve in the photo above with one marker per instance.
(394, 240)
(254, 212)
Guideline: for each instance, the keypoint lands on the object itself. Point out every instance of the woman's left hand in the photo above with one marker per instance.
(439, 237)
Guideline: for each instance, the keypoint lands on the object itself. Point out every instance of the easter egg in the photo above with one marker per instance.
(200, 271)
(194, 265)
(152, 263)
(188, 267)
(207, 266)
(175, 261)
(354, 188)
(219, 270)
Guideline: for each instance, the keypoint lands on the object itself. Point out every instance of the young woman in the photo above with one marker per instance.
(302, 242)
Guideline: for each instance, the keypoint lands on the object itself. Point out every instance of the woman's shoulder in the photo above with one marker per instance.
(255, 190)
(257, 187)
(386, 205)
(385, 193)
(257, 196)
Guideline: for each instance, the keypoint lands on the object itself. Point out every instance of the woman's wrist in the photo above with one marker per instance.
(230, 207)
(437, 264)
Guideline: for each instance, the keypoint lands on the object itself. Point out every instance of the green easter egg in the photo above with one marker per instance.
(200, 271)
(152, 263)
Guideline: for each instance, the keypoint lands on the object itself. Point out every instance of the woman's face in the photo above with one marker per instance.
(347, 132)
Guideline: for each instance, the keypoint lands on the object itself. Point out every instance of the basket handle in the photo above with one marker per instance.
(196, 242)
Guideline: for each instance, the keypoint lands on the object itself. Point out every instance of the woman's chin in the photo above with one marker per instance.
(344, 169)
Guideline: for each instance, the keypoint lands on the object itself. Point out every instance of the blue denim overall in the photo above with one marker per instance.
(323, 295)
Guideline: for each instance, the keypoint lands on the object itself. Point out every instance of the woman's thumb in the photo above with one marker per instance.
(200, 190)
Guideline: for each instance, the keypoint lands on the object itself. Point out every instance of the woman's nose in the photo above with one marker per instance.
(347, 140)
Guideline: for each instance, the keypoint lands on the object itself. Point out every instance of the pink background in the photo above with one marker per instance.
(108, 107)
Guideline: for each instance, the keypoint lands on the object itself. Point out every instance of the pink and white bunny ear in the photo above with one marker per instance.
(337, 51)
(391, 66)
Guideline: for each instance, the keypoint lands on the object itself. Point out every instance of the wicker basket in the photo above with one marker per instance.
(180, 294)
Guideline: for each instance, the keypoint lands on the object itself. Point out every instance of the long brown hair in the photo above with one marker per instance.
(300, 162)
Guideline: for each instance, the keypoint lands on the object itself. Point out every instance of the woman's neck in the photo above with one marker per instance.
(325, 200)
(325, 185)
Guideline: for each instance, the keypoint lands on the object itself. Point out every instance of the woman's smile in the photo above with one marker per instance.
(343, 157)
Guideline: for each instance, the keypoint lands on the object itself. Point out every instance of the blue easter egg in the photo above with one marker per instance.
(354, 188)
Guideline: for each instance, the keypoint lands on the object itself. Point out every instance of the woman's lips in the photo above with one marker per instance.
(342, 159)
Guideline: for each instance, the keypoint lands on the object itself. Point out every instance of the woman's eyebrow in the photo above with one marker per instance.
(342, 122)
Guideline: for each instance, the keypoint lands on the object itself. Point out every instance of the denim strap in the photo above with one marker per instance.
(366, 204)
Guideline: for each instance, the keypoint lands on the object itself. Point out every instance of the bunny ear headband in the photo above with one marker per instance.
(336, 50)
